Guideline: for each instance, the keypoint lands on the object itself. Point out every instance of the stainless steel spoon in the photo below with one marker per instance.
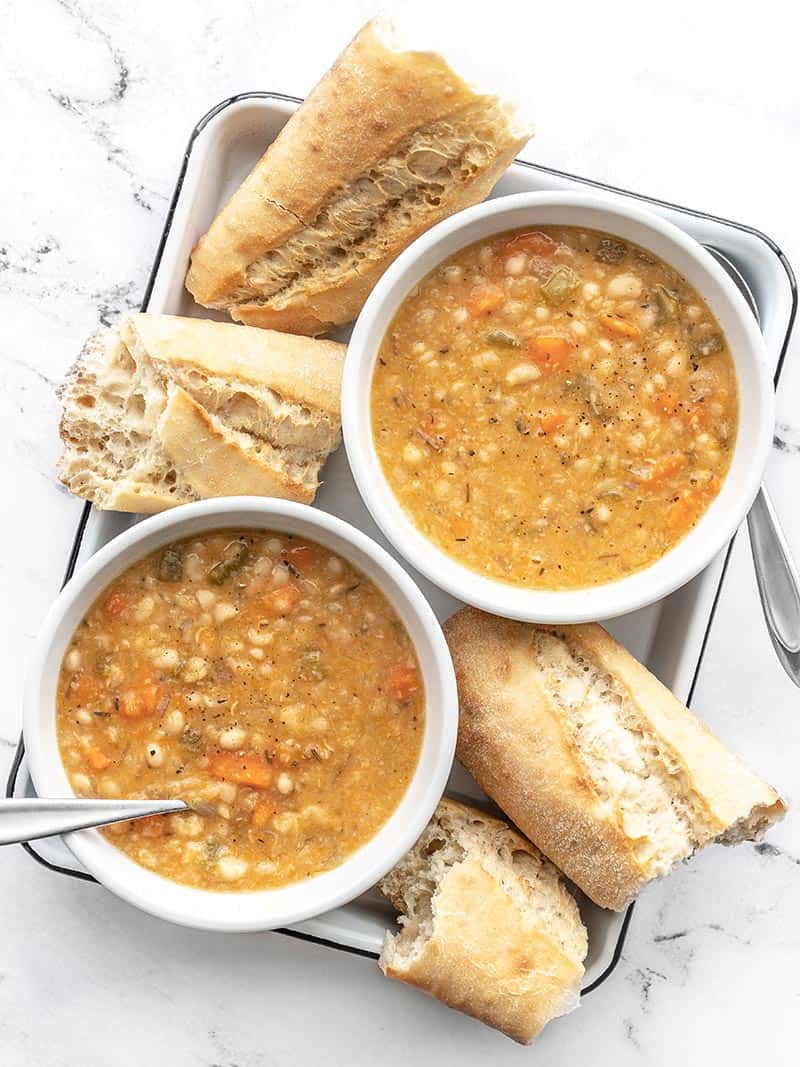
(776, 573)
(28, 818)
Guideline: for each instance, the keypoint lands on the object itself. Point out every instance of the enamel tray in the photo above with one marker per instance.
(669, 637)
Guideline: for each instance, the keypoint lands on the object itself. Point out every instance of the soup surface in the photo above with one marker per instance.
(554, 408)
(262, 679)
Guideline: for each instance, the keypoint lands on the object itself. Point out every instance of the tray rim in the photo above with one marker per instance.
(72, 559)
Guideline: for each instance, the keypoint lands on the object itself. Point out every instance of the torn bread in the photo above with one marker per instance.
(592, 757)
(388, 143)
(162, 410)
(487, 925)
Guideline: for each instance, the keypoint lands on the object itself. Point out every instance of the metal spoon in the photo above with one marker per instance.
(28, 818)
(776, 573)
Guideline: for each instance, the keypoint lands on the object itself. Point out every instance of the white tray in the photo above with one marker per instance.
(669, 637)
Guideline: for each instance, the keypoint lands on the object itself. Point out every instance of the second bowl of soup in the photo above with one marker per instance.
(558, 409)
(272, 667)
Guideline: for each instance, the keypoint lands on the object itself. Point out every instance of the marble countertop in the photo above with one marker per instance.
(99, 97)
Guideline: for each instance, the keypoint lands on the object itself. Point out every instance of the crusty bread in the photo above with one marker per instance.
(592, 757)
(386, 145)
(162, 410)
(487, 925)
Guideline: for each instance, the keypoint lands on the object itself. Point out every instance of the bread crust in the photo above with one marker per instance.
(486, 956)
(514, 740)
(213, 462)
(263, 358)
(161, 410)
(371, 102)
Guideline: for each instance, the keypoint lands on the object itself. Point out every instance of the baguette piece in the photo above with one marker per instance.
(387, 144)
(592, 757)
(487, 925)
(162, 410)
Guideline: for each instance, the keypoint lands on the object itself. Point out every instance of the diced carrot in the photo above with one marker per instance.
(551, 420)
(459, 527)
(683, 510)
(485, 298)
(97, 759)
(665, 468)
(694, 416)
(402, 682)
(303, 557)
(115, 603)
(262, 813)
(617, 325)
(152, 825)
(282, 601)
(141, 697)
(534, 243)
(550, 353)
(242, 768)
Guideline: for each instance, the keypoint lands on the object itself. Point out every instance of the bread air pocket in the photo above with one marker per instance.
(162, 410)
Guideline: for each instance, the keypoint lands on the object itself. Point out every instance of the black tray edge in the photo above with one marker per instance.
(84, 518)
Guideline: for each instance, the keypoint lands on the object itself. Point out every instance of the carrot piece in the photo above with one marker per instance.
(534, 243)
(550, 353)
(551, 420)
(282, 601)
(141, 698)
(115, 603)
(303, 557)
(459, 527)
(619, 326)
(242, 768)
(665, 468)
(402, 682)
(152, 825)
(262, 813)
(97, 759)
(485, 298)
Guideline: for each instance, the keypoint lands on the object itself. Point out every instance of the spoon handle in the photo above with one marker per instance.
(28, 818)
(778, 583)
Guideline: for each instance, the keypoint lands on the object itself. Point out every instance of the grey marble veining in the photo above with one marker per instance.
(99, 97)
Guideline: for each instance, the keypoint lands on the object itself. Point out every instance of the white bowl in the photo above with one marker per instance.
(756, 417)
(264, 909)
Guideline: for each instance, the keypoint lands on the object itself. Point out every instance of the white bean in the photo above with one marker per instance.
(515, 265)
(155, 755)
(81, 783)
(167, 659)
(174, 722)
(84, 717)
(285, 784)
(225, 611)
(232, 738)
(144, 609)
(624, 285)
(522, 374)
(205, 598)
(412, 455)
(73, 659)
(231, 868)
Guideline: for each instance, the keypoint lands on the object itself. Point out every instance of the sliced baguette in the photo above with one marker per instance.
(161, 410)
(592, 757)
(388, 143)
(487, 925)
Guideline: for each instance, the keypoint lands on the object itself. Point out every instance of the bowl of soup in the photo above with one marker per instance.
(274, 668)
(557, 407)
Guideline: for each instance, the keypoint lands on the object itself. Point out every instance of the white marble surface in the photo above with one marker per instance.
(98, 99)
